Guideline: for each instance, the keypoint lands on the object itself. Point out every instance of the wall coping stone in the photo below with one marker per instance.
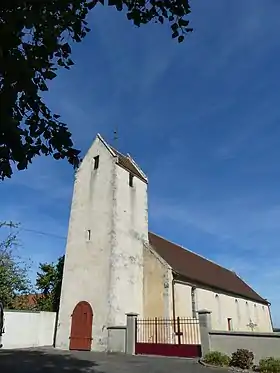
(245, 334)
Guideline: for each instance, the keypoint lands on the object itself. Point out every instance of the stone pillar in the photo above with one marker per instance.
(204, 326)
(130, 333)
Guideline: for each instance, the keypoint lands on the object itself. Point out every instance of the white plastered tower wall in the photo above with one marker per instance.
(129, 233)
(105, 269)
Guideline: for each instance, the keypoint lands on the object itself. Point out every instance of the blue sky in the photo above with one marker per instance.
(202, 120)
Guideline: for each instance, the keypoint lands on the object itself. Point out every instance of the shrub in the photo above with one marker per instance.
(242, 359)
(269, 365)
(217, 358)
(255, 368)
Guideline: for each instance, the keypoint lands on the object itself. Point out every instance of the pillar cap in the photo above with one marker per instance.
(131, 314)
(202, 312)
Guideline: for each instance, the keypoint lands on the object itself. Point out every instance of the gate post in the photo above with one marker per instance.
(204, 317)
(130, 339)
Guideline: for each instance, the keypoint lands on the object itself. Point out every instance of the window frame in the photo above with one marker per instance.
(229, 324)
(96, 162)
(130, 180)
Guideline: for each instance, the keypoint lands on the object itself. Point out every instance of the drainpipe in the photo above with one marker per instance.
(173, 305)
(173, 298)
(269, 310)
(55, 329)
(174, 281)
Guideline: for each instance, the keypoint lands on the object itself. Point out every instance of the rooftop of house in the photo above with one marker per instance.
(200, 271)
(27, 301)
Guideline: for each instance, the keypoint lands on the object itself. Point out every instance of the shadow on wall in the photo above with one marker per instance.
(49, 361)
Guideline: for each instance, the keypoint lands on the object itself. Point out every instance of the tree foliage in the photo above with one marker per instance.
(36, 38)
(14, 279)
(49, 280)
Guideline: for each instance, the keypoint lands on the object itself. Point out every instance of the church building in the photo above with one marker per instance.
(114, 265)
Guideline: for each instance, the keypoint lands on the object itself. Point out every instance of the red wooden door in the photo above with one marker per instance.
(81, 327)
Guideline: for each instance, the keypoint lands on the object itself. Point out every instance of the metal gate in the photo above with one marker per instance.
(168, 337)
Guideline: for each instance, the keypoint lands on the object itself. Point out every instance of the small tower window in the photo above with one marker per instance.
(130, 180)
(88, 234)
(96, 162)
(229, 322)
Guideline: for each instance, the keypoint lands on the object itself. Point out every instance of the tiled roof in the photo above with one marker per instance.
(201, 271)
(28, 300)
(125, 162)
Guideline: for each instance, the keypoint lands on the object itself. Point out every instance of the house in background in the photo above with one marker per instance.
(114, 266)
(26, 301)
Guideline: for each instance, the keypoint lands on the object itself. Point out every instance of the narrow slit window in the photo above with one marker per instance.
(248, 311)
(88, 234)
(256, 314)
(96, 162)
(130, 180)
(237, 310)
(194, 314)
(219, 310)
(229, 321)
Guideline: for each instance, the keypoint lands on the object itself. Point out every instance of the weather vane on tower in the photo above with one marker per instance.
(115, 136)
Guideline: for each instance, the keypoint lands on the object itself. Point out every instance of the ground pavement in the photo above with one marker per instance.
(48, 360)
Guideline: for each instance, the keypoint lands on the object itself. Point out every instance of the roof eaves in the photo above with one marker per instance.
(133, 173)
(106, 145)
(137, 167)
(186, 279)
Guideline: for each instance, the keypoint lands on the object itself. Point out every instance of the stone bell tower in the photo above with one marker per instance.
(104, 253)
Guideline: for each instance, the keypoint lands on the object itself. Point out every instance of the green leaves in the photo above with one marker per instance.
(183, 22)
(172, 11)
(22, 164)
(70, 62)
(66, 48)
(13, 271)
(91, 4)
(36, 40)
(49, 75)
(181, 38)
(32, 48)
(48, 282)
(117, 3)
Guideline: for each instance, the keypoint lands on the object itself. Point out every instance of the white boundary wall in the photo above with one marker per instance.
(28, 329)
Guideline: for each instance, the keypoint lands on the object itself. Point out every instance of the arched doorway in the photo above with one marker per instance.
(81, 327)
